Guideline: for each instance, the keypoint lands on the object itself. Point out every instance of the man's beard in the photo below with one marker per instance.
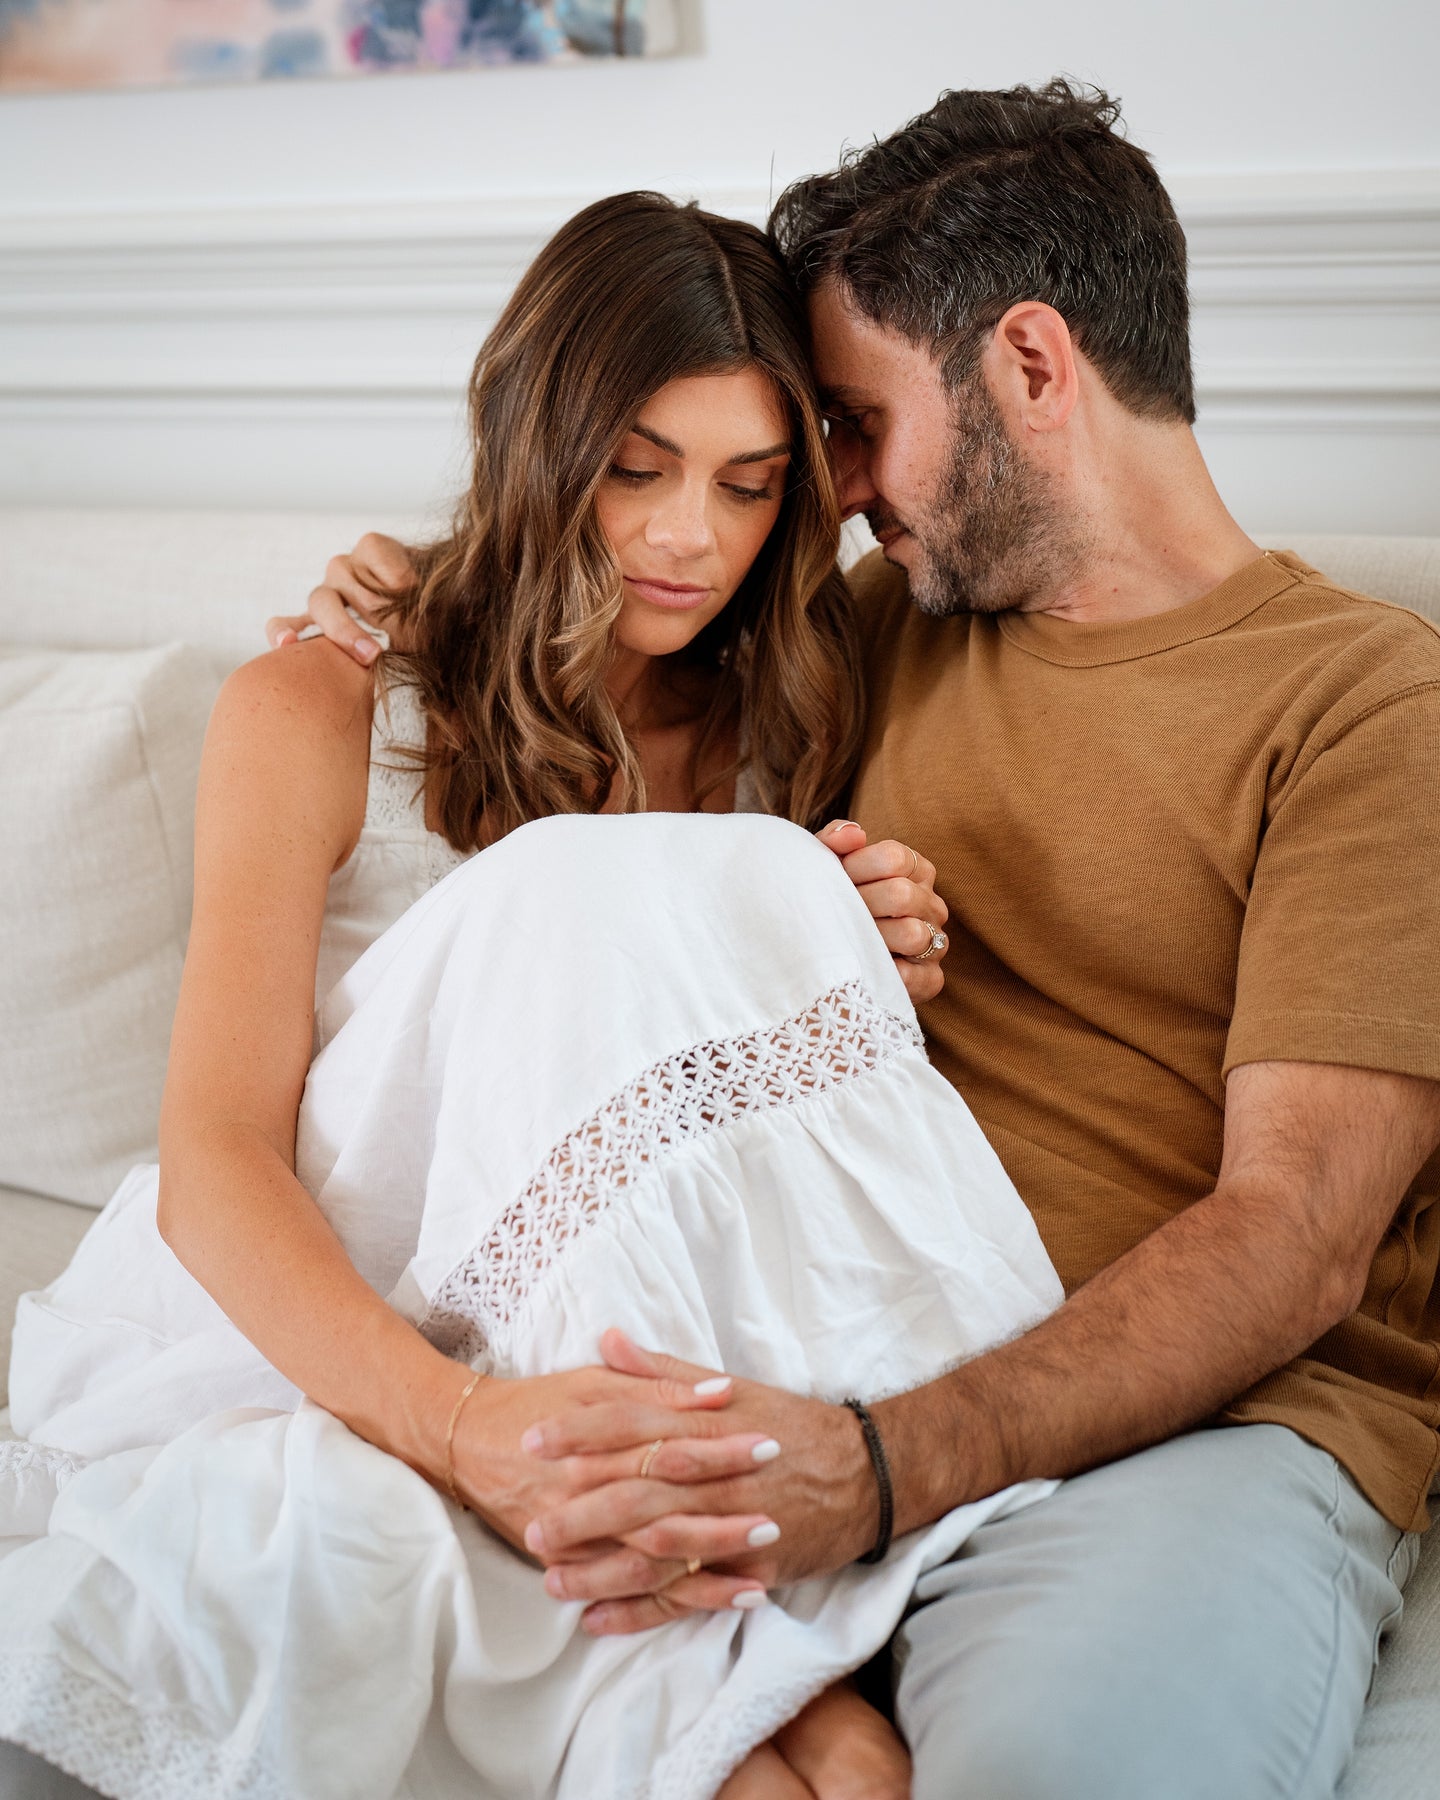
(997, 536)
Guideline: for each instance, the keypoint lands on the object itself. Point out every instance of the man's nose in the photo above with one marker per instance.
(853, 485)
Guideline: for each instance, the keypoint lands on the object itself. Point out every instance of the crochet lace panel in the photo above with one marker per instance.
(394, 797)
(121, 1747)
(844, 1035)
(20, 1458)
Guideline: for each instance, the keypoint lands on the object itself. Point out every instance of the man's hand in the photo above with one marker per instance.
(509, 1487)
(618, 1543)
(374, 572)
(898, 886)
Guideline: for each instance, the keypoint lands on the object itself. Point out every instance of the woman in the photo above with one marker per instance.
(656, 1070)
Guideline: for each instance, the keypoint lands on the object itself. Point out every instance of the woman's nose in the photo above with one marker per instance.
(682, 526)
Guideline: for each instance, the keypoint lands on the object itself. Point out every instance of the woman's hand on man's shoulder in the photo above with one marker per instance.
(898, 886)
(363, 582)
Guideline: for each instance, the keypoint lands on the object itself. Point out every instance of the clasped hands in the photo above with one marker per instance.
(758, 1486)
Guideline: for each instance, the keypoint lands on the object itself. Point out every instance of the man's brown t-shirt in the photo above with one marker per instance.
(1169, 847)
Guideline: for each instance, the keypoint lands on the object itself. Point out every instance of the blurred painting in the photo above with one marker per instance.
(50, 44)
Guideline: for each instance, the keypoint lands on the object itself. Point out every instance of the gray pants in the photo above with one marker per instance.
(25, 1777)
(1199, 1622)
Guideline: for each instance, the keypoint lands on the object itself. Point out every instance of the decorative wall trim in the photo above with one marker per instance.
(1316, 297)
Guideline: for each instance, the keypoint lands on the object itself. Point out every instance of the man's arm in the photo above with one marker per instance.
(1316, 1161)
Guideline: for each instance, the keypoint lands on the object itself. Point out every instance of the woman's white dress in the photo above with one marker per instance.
(656, 1072)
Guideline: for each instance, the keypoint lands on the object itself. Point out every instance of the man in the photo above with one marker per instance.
(1180, 796)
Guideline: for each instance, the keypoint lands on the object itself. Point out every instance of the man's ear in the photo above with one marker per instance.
(1031, 366)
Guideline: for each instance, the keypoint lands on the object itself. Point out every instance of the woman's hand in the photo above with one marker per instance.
(372, 574)
(500, 1477)
(898, 886)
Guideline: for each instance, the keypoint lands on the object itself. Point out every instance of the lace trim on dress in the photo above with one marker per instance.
(844, 1035)
(151, 1753)
(394, 797)
(20, 1458)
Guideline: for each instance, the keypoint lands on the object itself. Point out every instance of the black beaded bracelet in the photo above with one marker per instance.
(881, 1464)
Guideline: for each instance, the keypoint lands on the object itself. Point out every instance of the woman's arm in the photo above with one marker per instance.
(281, 804)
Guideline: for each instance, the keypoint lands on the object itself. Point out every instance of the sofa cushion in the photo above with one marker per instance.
(37, 1239)
(99, 753)
(1397, 1754)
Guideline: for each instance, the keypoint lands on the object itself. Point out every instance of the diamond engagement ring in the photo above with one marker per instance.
(938, 941)
(651, 1453)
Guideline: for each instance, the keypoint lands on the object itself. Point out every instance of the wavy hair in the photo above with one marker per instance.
(509, 626)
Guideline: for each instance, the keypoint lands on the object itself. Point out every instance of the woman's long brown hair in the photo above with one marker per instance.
(509, 626)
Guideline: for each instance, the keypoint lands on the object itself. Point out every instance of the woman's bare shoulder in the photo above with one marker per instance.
(288, 749)
(311, 689)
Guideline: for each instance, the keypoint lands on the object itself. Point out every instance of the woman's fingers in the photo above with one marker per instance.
(843, 836)
(618, 1510)
(622, 1440)
(922, 981)
(623, 1424)
(382, 563)
(899, 898)
(285, 628)
(622, 1353)
(688, 1537)
(700, 1593)
(328, 610)
(912, 937)
(623, 1571)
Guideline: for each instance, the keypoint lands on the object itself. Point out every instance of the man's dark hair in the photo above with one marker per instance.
(990, 199)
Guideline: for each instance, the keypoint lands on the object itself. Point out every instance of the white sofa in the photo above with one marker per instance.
(107, 748)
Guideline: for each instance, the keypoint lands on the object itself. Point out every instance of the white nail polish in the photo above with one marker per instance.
(761, 1535)
(717, 1384)
(766, 1452)
(750, 1600)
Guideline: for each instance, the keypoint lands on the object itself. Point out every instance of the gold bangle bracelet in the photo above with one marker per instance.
(465, 1393)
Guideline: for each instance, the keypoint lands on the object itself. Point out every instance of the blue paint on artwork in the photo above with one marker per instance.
(450, 33)
(591, 26)
(295, 52)
(12, 11)
(212, 59)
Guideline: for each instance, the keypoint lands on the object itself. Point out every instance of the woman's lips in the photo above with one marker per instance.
(665, 593)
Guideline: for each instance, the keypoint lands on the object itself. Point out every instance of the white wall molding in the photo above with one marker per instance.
(342, 329)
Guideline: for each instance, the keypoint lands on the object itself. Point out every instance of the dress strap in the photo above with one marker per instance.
(395, 797)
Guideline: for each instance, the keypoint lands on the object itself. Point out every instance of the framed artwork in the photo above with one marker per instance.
(55, 44)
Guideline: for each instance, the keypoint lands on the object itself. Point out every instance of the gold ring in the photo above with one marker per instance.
(694, 1566)
(938, 941)
(914, 863)
(649, 1457)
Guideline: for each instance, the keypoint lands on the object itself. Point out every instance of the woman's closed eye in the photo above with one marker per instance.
(637, 478)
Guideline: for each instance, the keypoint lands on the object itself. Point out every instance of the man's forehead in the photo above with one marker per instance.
(844, 343)
(857, 361)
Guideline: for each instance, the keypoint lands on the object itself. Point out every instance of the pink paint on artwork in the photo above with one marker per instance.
(441, 24)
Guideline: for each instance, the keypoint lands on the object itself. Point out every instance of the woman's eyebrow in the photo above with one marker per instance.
(754, 456)
(674, 449)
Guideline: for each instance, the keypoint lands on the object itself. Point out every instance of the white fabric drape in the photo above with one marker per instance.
(656, 1072)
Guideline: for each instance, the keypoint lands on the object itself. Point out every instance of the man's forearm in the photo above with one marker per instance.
(1159, 1340)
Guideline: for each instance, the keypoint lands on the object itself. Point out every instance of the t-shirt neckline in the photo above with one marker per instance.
(1080, 645)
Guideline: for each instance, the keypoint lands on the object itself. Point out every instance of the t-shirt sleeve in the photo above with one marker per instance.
(1340, 950)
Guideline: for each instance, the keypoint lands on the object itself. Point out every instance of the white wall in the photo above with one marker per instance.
(269, 295)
